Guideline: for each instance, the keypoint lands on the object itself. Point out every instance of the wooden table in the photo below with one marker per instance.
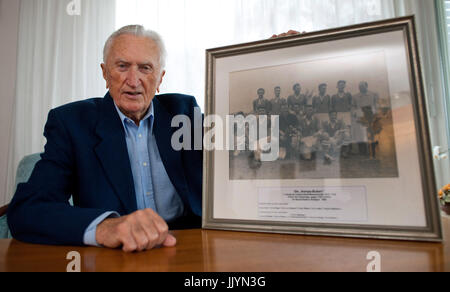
(207, 251)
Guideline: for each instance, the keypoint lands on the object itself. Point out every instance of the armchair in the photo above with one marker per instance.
(24, 171)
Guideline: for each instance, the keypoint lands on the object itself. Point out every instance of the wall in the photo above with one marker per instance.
(9, 26)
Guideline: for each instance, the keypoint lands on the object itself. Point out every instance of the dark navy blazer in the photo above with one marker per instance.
(86, 157)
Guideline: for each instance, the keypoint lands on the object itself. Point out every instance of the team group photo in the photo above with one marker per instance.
(340, 129)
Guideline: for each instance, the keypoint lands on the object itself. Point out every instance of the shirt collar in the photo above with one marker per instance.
(126, 119)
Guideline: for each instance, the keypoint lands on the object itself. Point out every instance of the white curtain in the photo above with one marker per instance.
(189, 27)
(427, 32)
(59, 55)
(59, 60)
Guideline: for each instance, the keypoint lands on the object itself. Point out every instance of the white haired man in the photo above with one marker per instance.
(113, 155)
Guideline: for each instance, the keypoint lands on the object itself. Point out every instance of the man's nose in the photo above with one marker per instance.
(133, 78)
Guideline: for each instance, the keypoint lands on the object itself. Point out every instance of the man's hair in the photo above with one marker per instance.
(139, 31)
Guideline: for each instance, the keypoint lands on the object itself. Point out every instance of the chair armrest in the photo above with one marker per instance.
(3, 210)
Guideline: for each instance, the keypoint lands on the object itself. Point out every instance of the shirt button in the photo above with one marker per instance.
(140, 135)
(144, 164)
(148, 193)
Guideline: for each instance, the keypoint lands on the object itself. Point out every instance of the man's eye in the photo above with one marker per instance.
(146, 68)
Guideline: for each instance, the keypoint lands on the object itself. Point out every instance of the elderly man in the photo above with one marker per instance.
(113, 155)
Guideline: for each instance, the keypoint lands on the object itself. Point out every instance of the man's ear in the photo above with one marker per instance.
(105, 75)
(161, 80)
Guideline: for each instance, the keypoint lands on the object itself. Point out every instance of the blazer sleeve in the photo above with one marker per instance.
(40, 212)
(193, 163)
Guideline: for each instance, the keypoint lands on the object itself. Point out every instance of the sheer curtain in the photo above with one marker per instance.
(59, 55)
(59, 60)
(426, 21)
(190, 27)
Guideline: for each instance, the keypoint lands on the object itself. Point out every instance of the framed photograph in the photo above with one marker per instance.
(322, 133)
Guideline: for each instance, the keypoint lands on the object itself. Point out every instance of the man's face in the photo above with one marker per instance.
(341, 86)
(133, 74)
(261, 111)
(297, 89)
(363, 88)
(333, 117)
(261, 93)
(277, 92)
(322, 90)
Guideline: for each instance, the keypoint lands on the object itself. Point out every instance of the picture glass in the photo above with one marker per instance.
(348, 143)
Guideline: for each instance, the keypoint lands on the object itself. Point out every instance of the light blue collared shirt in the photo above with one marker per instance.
(152, 184)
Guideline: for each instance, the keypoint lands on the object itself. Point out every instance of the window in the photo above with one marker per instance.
(190, 27)
(443, 13)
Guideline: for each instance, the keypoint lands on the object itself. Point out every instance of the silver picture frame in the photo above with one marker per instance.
(387, 216)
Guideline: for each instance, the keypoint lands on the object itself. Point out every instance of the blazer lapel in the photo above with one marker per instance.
(171, 159)
(112, 152)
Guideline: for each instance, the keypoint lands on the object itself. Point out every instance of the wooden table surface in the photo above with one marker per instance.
(220, 251)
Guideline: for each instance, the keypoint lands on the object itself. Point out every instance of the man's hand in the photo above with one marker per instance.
(289, 33)
(142, 230)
